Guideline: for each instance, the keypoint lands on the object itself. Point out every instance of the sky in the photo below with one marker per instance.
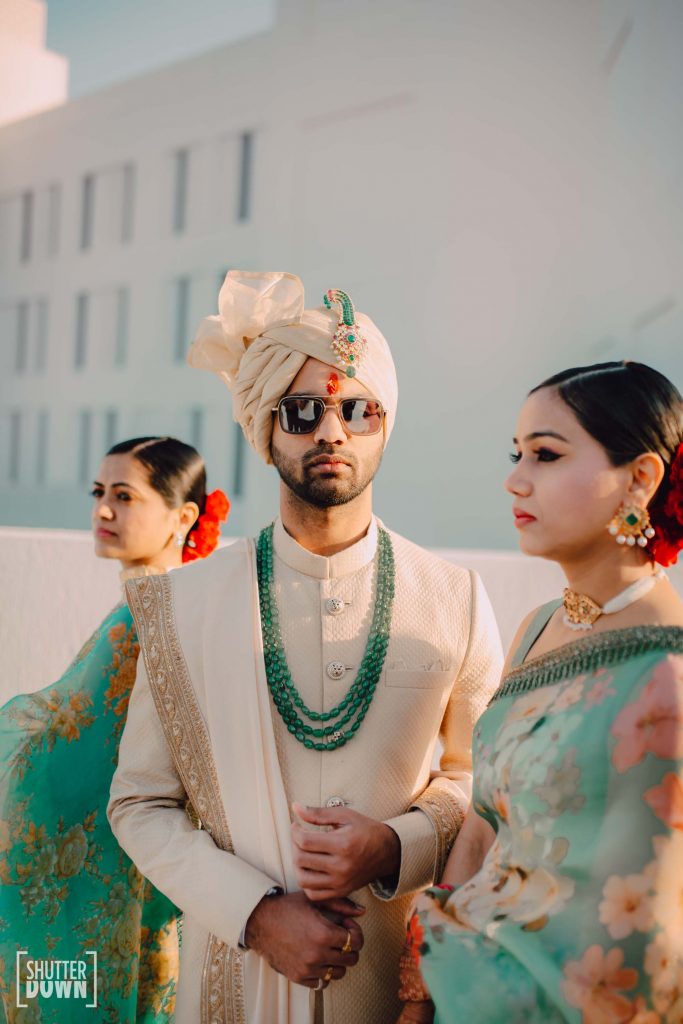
(107, 41)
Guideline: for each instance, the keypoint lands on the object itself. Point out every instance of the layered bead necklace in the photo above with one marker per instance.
(337, 726)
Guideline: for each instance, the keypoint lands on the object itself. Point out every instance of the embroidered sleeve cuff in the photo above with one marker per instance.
(416, 834)
(446, 814)
(244, 889)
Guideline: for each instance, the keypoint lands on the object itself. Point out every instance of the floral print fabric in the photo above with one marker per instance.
(65, 884)
(577, 912)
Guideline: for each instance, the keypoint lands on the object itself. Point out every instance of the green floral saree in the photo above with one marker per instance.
(576, 916)
(65, 884)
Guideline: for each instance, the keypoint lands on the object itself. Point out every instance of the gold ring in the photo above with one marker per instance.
(328, 974)
(346, 948)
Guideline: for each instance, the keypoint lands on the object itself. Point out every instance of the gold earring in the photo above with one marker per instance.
(631, 525)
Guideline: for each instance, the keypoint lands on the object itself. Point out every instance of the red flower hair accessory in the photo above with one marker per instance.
(204, 538)
(668, 523)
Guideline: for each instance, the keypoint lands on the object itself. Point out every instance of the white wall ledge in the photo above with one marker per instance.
(55, 592)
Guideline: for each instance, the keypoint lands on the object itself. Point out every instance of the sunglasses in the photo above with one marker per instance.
(301, 414)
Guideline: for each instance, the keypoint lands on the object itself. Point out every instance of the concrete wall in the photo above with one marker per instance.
(55, 592)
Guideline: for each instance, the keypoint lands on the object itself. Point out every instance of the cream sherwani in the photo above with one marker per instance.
(202, 729)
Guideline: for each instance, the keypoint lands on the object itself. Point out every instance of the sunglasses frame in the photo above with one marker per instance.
(337, 406)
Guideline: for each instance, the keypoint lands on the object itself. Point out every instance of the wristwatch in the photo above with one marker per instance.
(275, 890)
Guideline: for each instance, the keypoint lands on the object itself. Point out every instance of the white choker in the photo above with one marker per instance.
(580, 611)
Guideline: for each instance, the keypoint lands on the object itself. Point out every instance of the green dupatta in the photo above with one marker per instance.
(66, 886)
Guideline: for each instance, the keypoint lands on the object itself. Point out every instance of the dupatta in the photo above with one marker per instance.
(200, 632)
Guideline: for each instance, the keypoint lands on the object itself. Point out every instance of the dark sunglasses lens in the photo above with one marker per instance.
(300, 415)
(362, 416)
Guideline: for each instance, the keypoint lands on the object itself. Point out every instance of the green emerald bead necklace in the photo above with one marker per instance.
(324, 730)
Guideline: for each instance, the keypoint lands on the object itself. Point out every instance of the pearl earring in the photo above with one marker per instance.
(631, 525)
(179, 539)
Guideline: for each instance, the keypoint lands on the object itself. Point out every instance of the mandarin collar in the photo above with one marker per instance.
(349, 560)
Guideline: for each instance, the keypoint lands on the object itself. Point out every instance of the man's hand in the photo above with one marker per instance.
(304, 942)
(353, 851)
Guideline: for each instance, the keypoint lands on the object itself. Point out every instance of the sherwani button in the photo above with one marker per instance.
(334, 605)
(336, 669)
(336, 801)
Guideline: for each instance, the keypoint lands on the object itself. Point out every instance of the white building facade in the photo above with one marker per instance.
(32, 78)
(497, 184)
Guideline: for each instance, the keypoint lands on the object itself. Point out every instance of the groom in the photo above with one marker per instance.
(275, 765)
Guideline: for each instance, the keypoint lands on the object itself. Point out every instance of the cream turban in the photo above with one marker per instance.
(262, 337)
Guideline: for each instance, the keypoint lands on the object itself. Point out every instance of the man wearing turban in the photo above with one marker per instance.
(274, 773)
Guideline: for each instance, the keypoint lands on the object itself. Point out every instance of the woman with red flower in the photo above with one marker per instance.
(206, 531)
(67, 885)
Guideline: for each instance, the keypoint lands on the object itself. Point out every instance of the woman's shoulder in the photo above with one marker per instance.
(114, 635)
(116, 623)
(527, 632)
(652, 649)
(633, 653)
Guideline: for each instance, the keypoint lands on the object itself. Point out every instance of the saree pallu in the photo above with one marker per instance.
(66, 886)
(576, 916)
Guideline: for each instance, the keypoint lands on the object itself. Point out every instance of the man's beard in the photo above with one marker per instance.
(320, 490)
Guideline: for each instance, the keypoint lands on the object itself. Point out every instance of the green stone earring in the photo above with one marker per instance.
(631, 525)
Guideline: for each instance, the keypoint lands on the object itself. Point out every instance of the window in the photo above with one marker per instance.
(181, 173)
(121, 338)
(87, 211)
(54, 198)
(238, 463)
(7, 253)
(14, 447)
(128, 203)
(82, 308)
(244, 196)
(111, 428)
(196, 427)
(40, 351)
(41, 447)
(182, 314)
(84, 438)
(21, 358)
(26, 226)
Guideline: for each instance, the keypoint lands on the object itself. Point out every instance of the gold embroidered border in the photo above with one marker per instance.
(151, 602)
(446, 815)
(602, 650)
(223, 984)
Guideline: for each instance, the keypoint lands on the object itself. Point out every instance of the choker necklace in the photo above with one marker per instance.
(580, 611)
(324, 730)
